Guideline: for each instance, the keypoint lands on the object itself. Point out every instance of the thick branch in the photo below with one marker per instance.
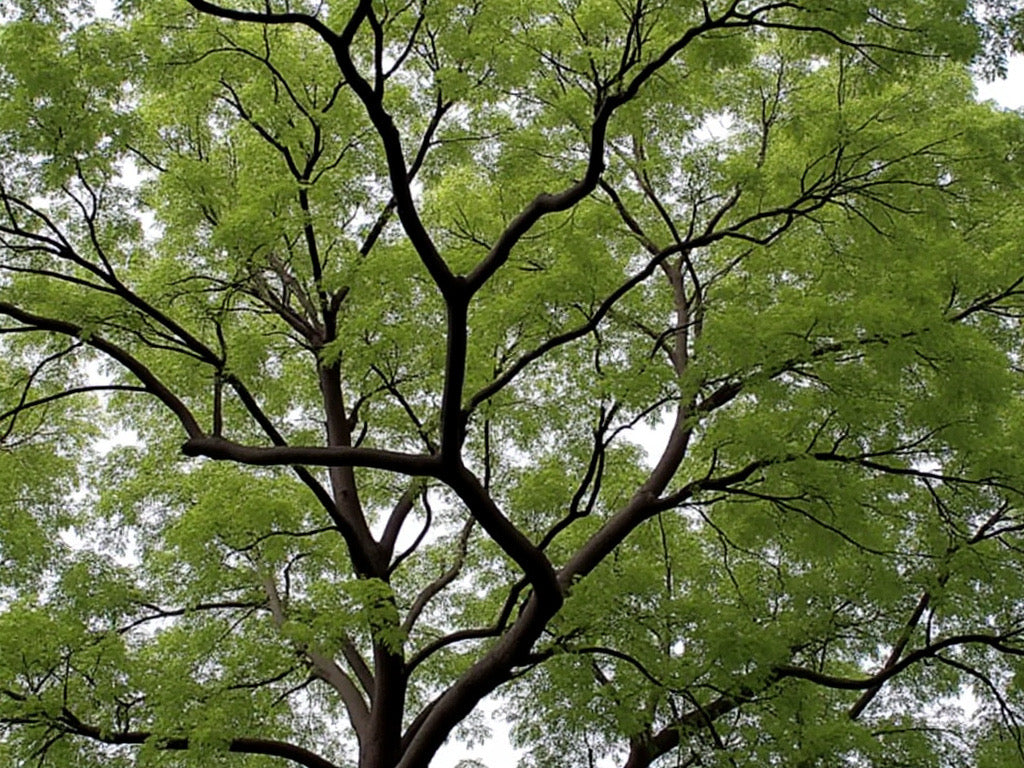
(323, 456)
(240, 745)
(533, 562)
(398, 173)
(302, 19)
(365, 552)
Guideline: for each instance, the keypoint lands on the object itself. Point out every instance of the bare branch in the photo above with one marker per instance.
(323, 456)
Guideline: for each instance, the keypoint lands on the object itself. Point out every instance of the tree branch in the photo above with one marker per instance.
(325, 668)
(240, 745)
(220, 448)
(127, 360)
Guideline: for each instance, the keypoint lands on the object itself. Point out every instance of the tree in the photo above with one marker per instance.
(328, 330)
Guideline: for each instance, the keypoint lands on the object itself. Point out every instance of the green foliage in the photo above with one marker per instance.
(653, 367)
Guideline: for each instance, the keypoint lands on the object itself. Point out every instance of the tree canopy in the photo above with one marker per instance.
(330, 332)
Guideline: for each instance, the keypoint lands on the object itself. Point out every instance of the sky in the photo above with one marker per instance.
(1009, 93)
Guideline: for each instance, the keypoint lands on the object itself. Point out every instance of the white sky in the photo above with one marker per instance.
(1009, 92)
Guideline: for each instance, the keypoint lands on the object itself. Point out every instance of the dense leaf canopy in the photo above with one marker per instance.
(650, 366)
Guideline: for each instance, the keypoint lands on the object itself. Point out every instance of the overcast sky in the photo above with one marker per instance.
(1009, 92)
